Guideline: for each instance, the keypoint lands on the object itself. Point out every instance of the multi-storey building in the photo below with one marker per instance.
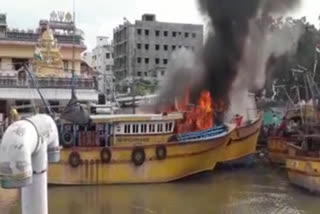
(58, 45)
(102, 62)
(143, 49)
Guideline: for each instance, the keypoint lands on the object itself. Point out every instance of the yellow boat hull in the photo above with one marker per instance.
(7, 199)
(243, 144)
(277, 150)
(182, 159)
(304, 172)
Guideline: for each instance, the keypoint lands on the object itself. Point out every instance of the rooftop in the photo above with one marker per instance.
(64, 31)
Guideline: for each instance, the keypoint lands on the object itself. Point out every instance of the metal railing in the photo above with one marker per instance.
(34, 37)
(46, 82)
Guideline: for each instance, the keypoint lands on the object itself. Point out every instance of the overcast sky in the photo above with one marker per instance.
(99, 17)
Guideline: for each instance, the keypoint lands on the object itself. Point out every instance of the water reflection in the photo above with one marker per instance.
(260, 190)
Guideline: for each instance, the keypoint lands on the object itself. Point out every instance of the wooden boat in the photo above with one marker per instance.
(277, 144)
(242, 146)
(141, 148)
(278, 149)
(303, 163)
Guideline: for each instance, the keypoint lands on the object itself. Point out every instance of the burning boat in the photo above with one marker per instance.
(240, 150)
(140, 148)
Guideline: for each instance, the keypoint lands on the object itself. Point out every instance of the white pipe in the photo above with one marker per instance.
(26, 147)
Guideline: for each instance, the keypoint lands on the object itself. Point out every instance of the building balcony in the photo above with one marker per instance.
(34, 37)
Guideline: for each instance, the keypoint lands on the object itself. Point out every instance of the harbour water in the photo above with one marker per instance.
(258, 190)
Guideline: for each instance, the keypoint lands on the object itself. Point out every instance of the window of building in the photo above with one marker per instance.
(174, 34)
(179, 46)
(108, 67)
(139, 60)
(145, 74)
(157, 47)
(179, 33)
(160, 127)
(157, 61)
(108, 55)
(139, 31)
(186, 35)
(174, 47)
(165, 33)
(65, 65)
(139, 46)
(157, 32)
(165, 61)
(194, 35)
(139, 73)
(146, 32)
(146, 46)
(163, 73)
(165, 47)
(146, 60)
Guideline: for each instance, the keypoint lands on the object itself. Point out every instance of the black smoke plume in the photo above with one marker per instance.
(224, 49)
(238, 48)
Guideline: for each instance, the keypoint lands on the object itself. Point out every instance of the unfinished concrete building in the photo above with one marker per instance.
(143, 49)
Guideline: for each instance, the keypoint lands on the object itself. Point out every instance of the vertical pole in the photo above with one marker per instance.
(307, 99)
(315, 63)
(290, 100)
(134, 82)
(34, 198)
(73, 49)
(298, 93)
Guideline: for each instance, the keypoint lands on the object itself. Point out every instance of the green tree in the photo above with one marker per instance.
(281, 69)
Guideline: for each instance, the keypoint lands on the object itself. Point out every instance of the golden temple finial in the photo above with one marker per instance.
(50, 63)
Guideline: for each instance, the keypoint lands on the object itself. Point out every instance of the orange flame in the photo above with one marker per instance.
(199, 117)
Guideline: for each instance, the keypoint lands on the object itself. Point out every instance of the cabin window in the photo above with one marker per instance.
(127, 128)
(118, 128)
(135, 128)
(152, 128)
(160, 127)
(143, 128)
(169, 127)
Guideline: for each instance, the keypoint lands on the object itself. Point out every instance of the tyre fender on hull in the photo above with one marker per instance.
(138, 156)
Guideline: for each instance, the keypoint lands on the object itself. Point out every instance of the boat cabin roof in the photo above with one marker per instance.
(135, 117)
